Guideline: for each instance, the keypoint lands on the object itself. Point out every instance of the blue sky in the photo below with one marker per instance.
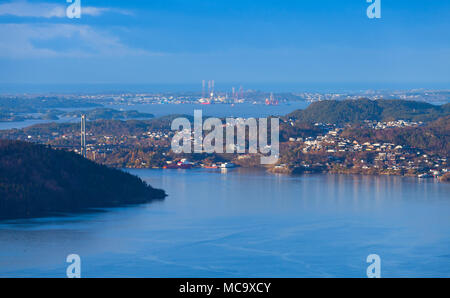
(246, 41)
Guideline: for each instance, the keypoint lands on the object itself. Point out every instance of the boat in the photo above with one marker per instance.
(422, 176)
(213, 166)
(183, 164)
(228, 165)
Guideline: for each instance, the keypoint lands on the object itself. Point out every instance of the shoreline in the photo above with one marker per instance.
(268, 171)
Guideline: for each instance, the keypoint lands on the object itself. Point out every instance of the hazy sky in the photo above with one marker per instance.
(247, 41)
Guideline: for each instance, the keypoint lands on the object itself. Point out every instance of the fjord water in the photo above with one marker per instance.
(243, 223)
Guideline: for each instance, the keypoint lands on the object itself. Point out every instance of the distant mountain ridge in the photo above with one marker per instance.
(108, 114)
(353, 111)
(36, 180)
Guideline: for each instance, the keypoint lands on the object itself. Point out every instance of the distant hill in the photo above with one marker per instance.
(42, 104)
(106, 127)
(353, 111)
(20, 109)
(446, 108)
(36, 180)
(108, 114)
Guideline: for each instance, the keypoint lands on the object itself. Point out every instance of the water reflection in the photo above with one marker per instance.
(246, 223)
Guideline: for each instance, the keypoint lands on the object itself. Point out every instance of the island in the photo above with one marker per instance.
(107, 114)
(16, 109)
(37, 180)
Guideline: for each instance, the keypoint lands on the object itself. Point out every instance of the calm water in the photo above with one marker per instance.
(247, 224)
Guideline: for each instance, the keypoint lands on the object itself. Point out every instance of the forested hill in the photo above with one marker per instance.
(432, 138)
(104, 127)
(353, 111)
(36, 180)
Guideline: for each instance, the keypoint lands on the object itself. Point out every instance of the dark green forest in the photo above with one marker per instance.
(36, 180)
(354, 111)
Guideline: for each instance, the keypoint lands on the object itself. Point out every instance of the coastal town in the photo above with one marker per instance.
(336, 133)
(329, 148)
(338, 153)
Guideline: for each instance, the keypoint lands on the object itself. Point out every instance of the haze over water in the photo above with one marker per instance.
(246, 223)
